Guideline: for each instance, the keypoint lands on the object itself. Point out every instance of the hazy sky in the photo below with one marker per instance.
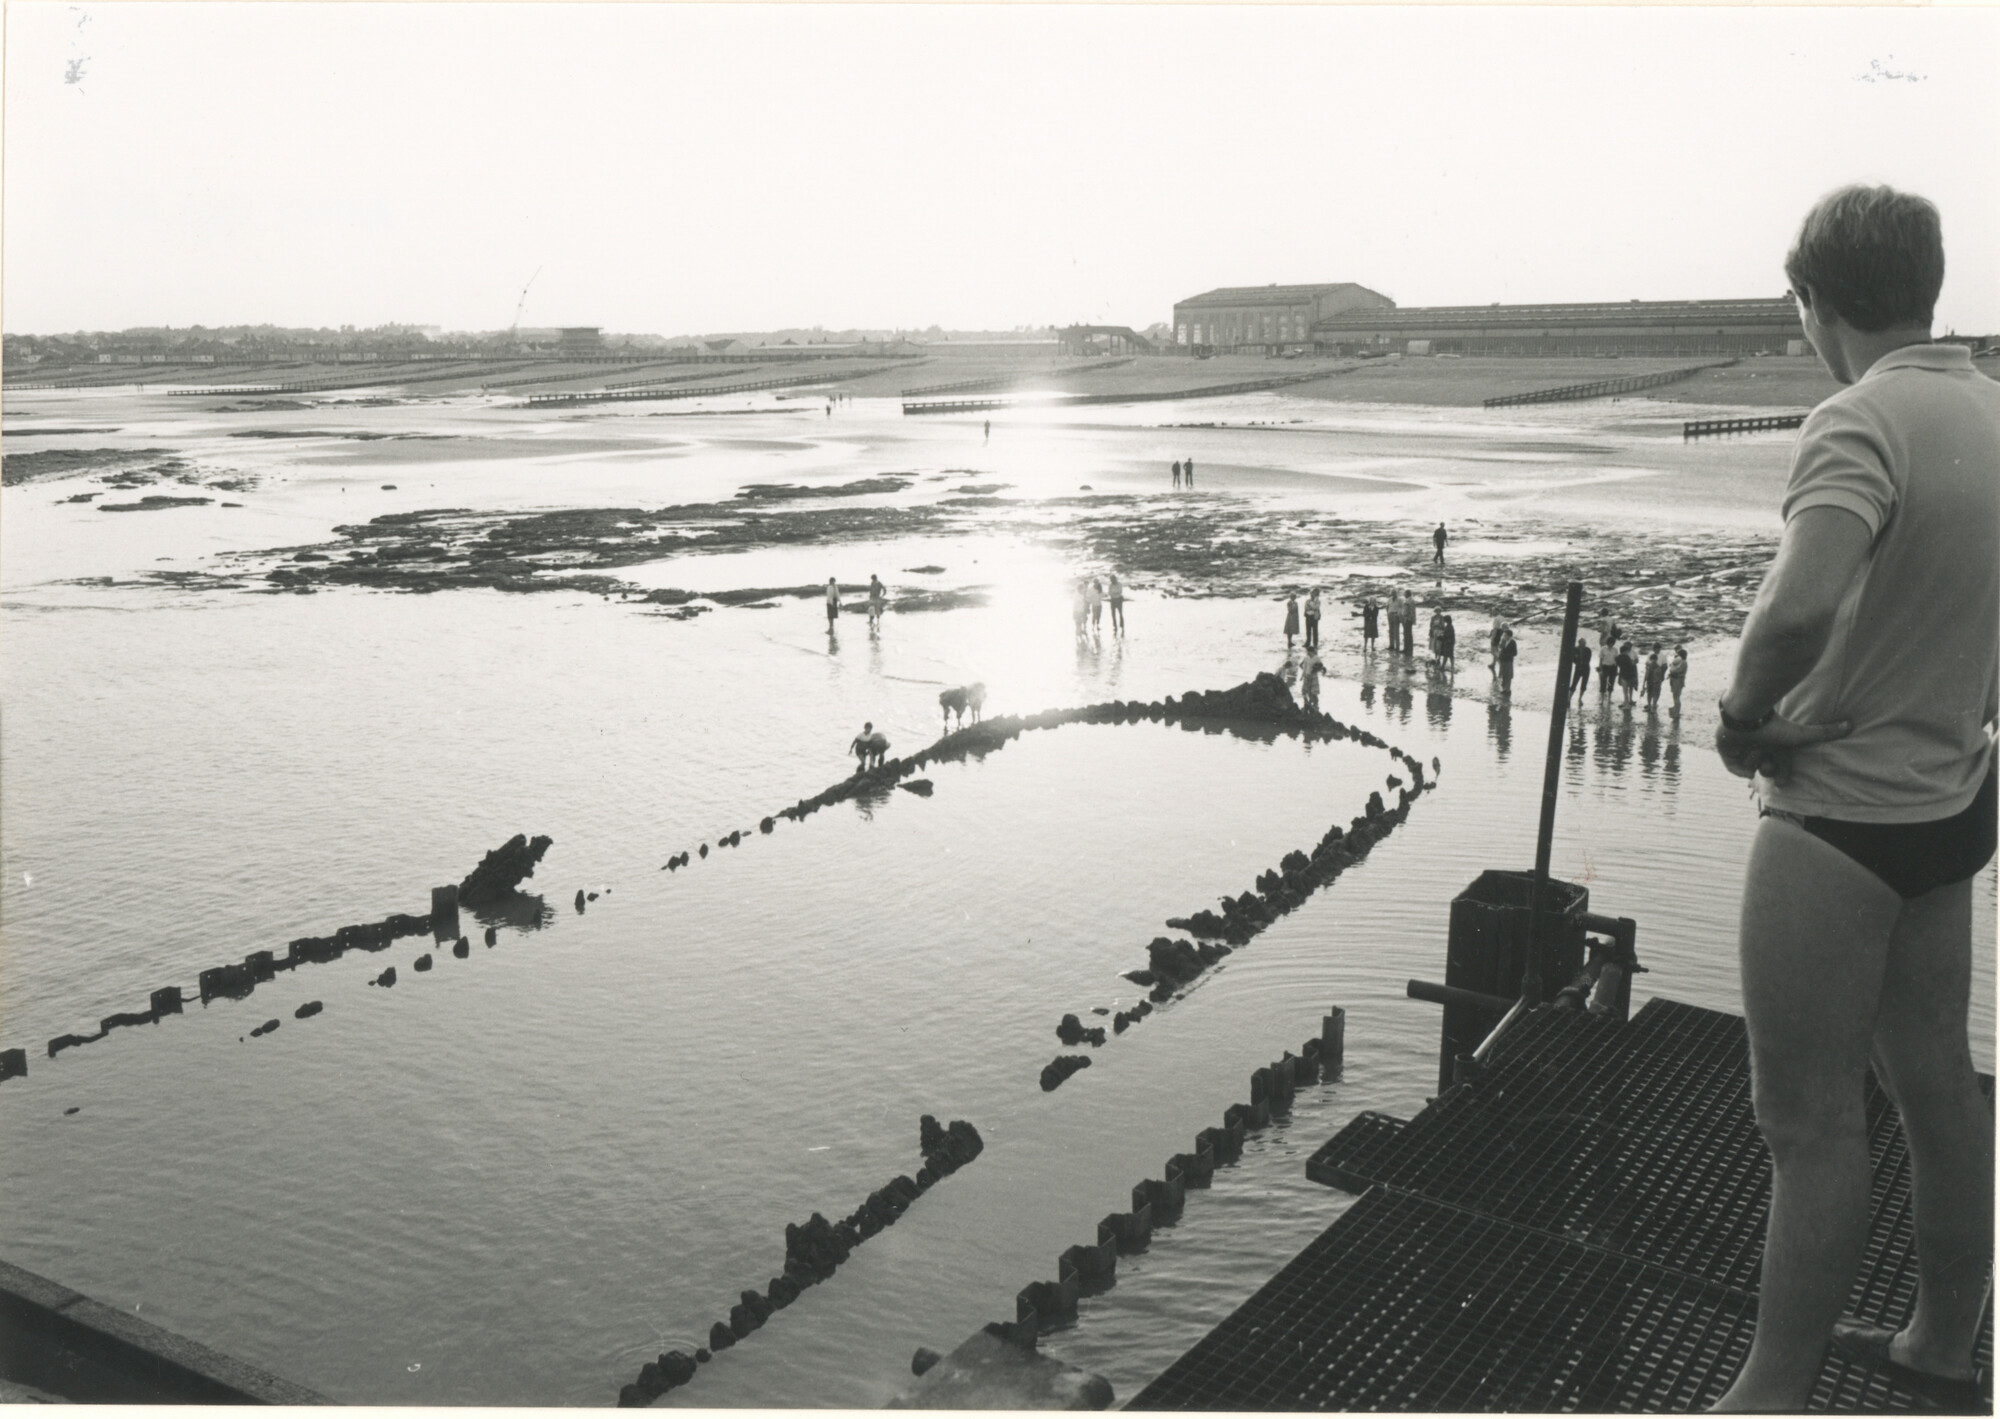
(682, 168)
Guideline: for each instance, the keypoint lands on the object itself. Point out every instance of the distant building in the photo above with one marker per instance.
(725, 347)
(1738, 327)
(1259, 320)
(1102, 340)
(580, 340)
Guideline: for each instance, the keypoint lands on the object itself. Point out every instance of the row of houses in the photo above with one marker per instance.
(1345, 318)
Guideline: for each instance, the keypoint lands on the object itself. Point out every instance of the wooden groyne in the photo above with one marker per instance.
(1598, 388)
(458, 371)
(1709, 428)
(1013, 381)
(791, 381)
(814, 1251)
(656, 380)
(1154, 396)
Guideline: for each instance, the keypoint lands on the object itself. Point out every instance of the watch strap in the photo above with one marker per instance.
(1743, 726)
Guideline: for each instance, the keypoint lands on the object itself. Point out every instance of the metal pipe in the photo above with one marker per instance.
(1531, 980)
(1486, 1045)
(1456, 995)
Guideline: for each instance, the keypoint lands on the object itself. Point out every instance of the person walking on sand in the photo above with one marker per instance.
(1438, 539)
(1096, 595)
(1187, 474)
(878, 596)
(832, 602)
(1080, 609)
(1409, 624)
(1291, 620)
(1579, 669)
(1393, 613)
(1677, 676)
(1493, 645)
(1117, 605)
(1312, 620)
(1863, 718)
(1434, 638)
(1656, 679)
(1450, 642)
(1628, 671)
(1370, 616)
(1177, 475)
(1509, 648)
(986, 433)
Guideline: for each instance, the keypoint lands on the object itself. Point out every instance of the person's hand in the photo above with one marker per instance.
(1768, 749)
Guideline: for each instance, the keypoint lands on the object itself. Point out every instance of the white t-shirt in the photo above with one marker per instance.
(1912, 448)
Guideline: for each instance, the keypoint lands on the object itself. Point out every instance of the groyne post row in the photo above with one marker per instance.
(1264, 702)
(380, 377)
(649, 383)
(498, 875)
(814, 1250)
(748, 386)
(1707, 428)
(1248, 386)
(1013, 381)
(1172, 966)
(1565, 392)
(1090, 1268)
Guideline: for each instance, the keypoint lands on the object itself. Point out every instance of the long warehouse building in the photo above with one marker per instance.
(1345, 318)
(1741, 327)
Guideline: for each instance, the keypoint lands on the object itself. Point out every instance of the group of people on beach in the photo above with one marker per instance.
(1618, 663)
(1441, 639)
(877, 603)
(1087, 607)
(1618, 660)
(1183, 474)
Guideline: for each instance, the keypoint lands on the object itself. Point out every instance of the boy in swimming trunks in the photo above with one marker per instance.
(1868, 745)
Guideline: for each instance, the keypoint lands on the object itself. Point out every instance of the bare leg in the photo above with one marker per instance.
(1814, 943)
(1921, 1054)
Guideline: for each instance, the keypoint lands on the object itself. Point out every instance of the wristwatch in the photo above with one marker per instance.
(1742, 726)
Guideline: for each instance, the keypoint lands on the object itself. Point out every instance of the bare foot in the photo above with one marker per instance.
(1903, 1351)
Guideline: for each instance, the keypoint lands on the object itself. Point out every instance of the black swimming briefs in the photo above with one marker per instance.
(1915, 858)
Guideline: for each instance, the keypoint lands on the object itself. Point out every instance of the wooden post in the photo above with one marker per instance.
(1332, 1041)
(1532, 986)
(444, 912)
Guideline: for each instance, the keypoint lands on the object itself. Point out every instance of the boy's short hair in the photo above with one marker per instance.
(1872, 255)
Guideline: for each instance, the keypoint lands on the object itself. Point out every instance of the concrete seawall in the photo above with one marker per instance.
(63, 1343)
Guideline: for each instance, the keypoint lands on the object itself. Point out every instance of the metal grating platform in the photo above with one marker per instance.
(1579, 1229)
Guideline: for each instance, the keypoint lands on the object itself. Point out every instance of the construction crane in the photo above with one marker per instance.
(520, 305)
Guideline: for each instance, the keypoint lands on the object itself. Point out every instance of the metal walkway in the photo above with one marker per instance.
(1578, 1229)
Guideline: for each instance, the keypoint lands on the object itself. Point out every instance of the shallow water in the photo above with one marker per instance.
(518, 1176)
